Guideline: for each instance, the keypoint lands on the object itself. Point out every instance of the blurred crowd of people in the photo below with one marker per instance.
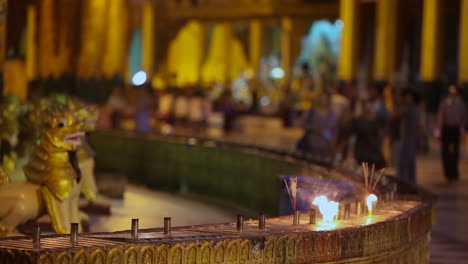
(383, 128)
(145, 110)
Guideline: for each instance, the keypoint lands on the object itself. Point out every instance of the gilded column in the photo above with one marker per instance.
(3, 29)
(292, 32)
(385, 41)
(115, 52)
(431, 49)
(256, 31)
(201, 50)
(46, 38)
(31, 44)
(463, 50)
(349, 14)
(148, 42)
(93, 38)
(286, 57)
(228, 39)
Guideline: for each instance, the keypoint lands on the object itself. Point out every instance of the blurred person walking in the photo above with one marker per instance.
(341, 107)
(451, 119)
(368, 145)
(181, 106)
(199, 108)
(117, 104)
(409, 136)
(225, 106)
(320, 128)
(144, 108)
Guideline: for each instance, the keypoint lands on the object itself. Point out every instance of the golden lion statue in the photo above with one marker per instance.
(54, 177)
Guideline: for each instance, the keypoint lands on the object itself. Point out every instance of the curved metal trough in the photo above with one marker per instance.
(398, 231)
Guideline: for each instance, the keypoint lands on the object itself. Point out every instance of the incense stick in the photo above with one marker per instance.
(371, 176)
(364, 171)
(378, 178)
(289, 193)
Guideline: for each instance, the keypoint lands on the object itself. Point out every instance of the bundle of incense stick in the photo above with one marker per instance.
(292, 190)
(369, 176)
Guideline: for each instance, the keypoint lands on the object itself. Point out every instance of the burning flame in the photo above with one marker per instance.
(328, 209)
(370, 199)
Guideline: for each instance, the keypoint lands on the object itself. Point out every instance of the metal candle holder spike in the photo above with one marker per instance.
(358, 208)
(74, 233)
(240, 223)
(37, 236)
(313, 215)
(347, 211)
(167, 226)
(364, 207)
(261, 221)
(134, 230)
(341, 214)
(297, 217)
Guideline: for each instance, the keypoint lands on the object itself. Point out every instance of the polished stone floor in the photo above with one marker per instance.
(150, 207)
(450, 232)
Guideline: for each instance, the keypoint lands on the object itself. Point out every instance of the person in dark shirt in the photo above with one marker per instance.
(409, 136)
(368, 146)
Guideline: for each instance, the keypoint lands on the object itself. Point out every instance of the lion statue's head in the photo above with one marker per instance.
(63, 128)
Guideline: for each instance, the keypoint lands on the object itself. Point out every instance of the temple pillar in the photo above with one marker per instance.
(255, 48)
(463, 48)
(228, 39)
(201, 50)
(256, 31)
(92, 38)
(3, 31)
(349, 14)
(47, 42)
(31, 45)
(286, 45)
(291, 37)
(148, 40)
(431, 52)
(431, 49)
(115, 53)
(385, 45)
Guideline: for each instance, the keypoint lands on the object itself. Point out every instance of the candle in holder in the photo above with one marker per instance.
(134, 230)
(347, 211)
(167, 226)
(313, 215)
(358, 208)
(240, 223)
(74, 233)
(297, 217)
(371, 198)
(37, 236)
(261, 221)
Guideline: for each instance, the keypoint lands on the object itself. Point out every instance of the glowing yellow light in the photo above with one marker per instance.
(324, 225)
(370, 199)
(328, 209)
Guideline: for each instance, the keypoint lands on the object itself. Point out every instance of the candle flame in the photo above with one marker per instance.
(328, 209)
(370, 199)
